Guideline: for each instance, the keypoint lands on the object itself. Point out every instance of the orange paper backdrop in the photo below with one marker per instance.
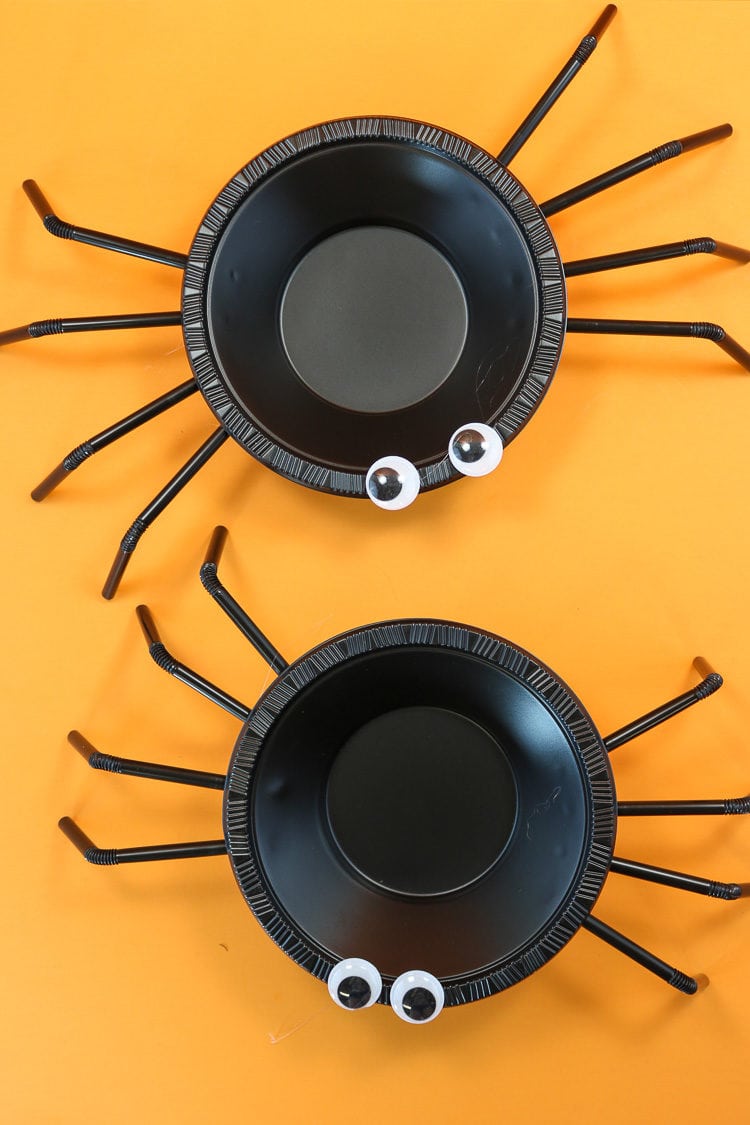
(613, 543)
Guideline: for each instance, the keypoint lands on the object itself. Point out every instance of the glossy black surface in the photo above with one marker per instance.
(402, 791)
(312, 877)
(419, 1004)
(354, 992)
(379, 183)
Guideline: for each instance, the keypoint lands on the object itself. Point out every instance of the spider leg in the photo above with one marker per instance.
(156, 507)
(677, 979)
(234, 611)
(582, 54)
(85, 450)
(696, 329)
(153, 770)
(710, 683)
(729, 806)
(181, 672)
(678, 879)
(61, 229)
(108, 857)
(656, 254)
(633, 167)
(88, 324)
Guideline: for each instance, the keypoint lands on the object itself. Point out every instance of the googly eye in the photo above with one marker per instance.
(392, 483)
(417, 997)
(475, 449)
(354, 983)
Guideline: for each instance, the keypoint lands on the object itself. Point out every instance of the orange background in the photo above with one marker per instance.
(613, 543)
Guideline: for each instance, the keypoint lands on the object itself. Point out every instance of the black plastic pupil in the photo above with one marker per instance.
(354, 992)
(470, 446)
(419, 1003)
(385, 483)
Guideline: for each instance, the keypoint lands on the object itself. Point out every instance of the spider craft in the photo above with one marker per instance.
(374, 306)
(418, 812)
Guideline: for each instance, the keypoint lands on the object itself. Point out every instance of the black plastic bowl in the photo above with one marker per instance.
(364, 288)
(421, 793)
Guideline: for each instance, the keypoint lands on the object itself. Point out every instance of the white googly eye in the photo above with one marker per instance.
(475, 449)
(392, 483)
(354, 983)
(417, 997)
